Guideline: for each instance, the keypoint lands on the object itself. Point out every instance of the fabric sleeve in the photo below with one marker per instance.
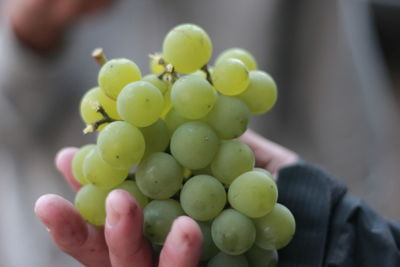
(332, 227)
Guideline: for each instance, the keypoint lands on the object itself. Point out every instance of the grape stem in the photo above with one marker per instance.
(99, 56)
(95, 125)
(169, 74)
(208, 74)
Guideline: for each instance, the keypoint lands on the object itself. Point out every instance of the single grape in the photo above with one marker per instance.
(174, 120)
(193, 97)
(241, 54)
(232, 232)
(187, 47)
(229, 117)
(155, 67)
(194, 145)
(77, 163)
(276, 229)
(100, 173)
(158, 218)
(159, 176)
(90, 202)
(91, 101)
(253, 193)
(203, 197)
(209, 249)
(156, 137)
(121, 144)
(230, 76)
(132, 188)
(258, 257)
(265, 172)
(154, 80)
(116, 74)
(233, 158)
(261, 94)
(225, 260)
(140, 103)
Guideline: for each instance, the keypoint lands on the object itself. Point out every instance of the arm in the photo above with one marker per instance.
(333, 228)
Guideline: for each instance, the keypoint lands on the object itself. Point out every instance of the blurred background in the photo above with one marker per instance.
(336, 63)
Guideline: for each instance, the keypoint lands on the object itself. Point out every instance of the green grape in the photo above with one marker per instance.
(174, 120)
(116, 74)
(193, 97)
(140, 103)
(209, 248)
(258, 257)
(90, 201)
(121, 144)
(276, 229)
(100, 173)
(253, 194)
(203, 197)
(261, 94)
(263, 171)
(132, 188)
(90, 103)
(225, 260)
(194, 145)
(230, 76)
(156, 68)
(158, 218)
(241, 54)
(232, 232)
(159, 176)
(159, 83)
(233, 158)
(77, 163)
(156, 137)
(187, 47)
(229, 117)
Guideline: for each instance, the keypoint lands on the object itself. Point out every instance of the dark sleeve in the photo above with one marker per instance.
(332, 227)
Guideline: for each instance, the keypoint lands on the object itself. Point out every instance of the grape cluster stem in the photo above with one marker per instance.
(208, 74)
(95, 125)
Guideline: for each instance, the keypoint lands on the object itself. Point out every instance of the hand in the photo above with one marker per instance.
(110, 246)
(41, 24)
(269, 155)
(120, 242)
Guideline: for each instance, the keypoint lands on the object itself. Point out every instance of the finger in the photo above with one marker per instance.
(269, 155)
(71, 233)
(63, 164)
(124, 231)
(182, 248)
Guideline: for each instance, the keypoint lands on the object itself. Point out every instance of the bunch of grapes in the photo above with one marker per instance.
(168, 138)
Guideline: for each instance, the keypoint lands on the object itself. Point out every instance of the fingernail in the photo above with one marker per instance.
(118, 206)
